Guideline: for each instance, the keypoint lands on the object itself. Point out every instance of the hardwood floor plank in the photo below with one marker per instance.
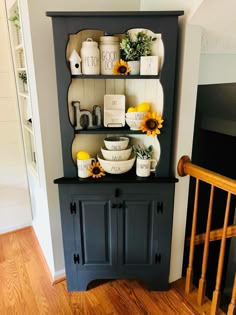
(170, 304)
(101, 293)
(26, 288)
(11, 290)
(135, 297)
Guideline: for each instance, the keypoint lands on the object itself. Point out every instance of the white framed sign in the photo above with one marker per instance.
(149, 65)
(114, 110)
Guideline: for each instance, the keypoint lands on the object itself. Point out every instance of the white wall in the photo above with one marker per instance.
(15, 209)
(217, 68)
(187, 81)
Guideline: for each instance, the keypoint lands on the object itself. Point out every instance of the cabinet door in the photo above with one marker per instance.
(144, 234)
(95, 232)
(137, 232)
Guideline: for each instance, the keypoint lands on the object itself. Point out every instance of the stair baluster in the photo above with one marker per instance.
(232, 305)
(202, 281)
(216, 293)
(189, 275)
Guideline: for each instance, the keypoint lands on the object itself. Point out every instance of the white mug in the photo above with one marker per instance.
(145, 167)
(83, 167)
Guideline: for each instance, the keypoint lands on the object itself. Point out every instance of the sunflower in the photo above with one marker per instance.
(121, 68)
(95, 170)
(151, 124)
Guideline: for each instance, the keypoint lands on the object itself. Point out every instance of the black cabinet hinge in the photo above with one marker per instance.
(76, 259)
(160, 207)
(73, 207)
(158, 258)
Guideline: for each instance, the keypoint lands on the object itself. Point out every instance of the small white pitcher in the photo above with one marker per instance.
(145, 167)
(83, 167)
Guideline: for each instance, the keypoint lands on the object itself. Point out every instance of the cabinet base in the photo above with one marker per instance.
(152, 283)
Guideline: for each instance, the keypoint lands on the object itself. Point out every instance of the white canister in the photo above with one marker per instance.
(90, 57)
(109, 52)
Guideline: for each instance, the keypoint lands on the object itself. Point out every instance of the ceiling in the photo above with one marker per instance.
(218, 20)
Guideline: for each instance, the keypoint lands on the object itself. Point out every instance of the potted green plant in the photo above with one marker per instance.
(15, 19)
(23, 77)
(141, 152)
(144, 164)
(132, 48)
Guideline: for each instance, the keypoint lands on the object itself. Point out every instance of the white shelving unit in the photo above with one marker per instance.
(23, 94)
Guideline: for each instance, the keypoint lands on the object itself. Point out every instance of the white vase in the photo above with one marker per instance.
(157, 49)
(134, 67)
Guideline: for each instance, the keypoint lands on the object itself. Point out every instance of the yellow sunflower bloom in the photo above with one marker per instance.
(96, 171)
(151, 124)
(121, 68)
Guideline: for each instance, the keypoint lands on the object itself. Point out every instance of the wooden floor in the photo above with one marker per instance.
(25, 287)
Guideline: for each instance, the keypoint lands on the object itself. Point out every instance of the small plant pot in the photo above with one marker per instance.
(134, 67)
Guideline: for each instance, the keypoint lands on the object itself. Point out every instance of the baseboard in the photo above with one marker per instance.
(59, 276)
(10, 229)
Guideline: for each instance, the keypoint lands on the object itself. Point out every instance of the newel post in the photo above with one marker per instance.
(181, 165)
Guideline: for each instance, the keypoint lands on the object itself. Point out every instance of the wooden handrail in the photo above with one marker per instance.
(185, 167)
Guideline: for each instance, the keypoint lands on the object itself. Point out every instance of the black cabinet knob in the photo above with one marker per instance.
(113, 205)
(117, 192)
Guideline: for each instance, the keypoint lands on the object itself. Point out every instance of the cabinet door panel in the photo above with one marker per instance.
(95, 231)
(137, 232)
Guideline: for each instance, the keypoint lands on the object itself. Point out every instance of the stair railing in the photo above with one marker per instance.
(185, 167)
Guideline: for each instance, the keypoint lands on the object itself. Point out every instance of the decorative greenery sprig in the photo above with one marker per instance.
(143, 153)
(133, 49)
(15, 19)
(23, 76)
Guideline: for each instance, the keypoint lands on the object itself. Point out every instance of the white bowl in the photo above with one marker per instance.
(136, 115)
(134, 124)
(116, 143)
(120, 155)
(116, 167)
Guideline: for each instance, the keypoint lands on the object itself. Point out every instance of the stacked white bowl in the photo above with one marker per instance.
(116, 155)
(134, 119)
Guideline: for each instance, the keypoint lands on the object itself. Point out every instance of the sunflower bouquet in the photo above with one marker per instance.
(121, 67)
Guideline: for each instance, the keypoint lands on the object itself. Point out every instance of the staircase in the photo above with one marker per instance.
(196, 297)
